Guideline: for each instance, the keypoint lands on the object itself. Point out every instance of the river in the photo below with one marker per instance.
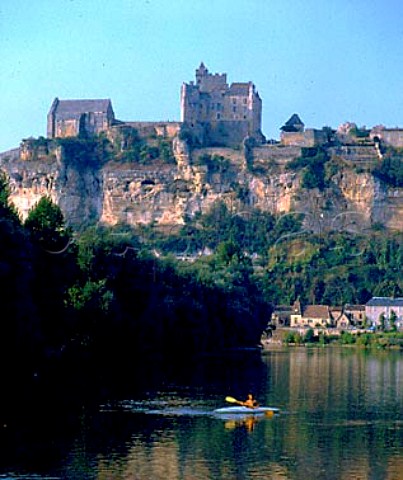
(341, 417)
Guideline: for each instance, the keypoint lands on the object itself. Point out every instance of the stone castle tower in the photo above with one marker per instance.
(219, 114)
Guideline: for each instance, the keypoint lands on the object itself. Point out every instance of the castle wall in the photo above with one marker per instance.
(392, 137)
(308, 138)
(226, 133)
(277, 153)
(148, 129)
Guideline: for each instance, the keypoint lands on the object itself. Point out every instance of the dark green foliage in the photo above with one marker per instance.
(343, 269)
(131, 148)
(45, 223)
(214, 163)
(85, 153)
(312, 163)
(390, 171)
(7, 211)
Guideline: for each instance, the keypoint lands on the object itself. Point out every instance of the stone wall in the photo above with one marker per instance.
(278, 153)
(392, 137)
(307, 138)
(356, 154)
(149, 129)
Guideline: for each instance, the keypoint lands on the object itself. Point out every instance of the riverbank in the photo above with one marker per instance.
(356, 338)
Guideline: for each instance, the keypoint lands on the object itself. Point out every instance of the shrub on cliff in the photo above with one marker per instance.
(312, 164)
(390, 171)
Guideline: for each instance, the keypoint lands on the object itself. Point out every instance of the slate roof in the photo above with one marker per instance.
(293, 121)
(349, 307)
(239, 89)
(385, 302)
(82, 106)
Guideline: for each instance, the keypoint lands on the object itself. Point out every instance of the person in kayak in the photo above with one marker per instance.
(250, 402)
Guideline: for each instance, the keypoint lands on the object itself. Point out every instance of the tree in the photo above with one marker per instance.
(7, 210)
(392, 321)
(45, 223)
(382, 321)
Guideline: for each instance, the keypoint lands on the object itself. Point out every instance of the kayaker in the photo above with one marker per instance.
(250, 402)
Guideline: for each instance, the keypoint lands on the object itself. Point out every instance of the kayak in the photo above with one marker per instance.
(241, 410)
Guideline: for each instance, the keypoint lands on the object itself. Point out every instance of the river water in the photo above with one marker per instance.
(341, 417)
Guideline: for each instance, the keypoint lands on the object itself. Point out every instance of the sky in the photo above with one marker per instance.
(329, 61)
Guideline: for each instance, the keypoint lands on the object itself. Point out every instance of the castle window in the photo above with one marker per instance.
(244, 117)
(234, 109)
(245, 101)
(218, 116)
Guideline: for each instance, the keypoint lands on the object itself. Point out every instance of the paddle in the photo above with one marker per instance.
(233, 400)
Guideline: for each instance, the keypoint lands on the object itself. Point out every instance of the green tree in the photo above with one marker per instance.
(45, 222)
(309, 336)
(7, 209)
(382, 322)
(392, 321)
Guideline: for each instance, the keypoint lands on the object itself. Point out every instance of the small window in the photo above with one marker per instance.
(245, 101)
(234, 109)
(234, 101)
(218, 116)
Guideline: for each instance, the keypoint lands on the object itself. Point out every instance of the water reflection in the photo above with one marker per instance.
(340, 418)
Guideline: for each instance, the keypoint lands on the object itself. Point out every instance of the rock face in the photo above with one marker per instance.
(130, 193)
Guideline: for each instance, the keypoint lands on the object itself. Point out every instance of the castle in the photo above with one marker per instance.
(218, 114)
(212, 112)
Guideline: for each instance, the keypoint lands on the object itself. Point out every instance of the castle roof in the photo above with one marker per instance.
(239, 88)
(66, 108)
(294, 121)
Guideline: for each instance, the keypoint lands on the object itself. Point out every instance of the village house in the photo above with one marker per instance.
(339, 318)
(356, 314)
(378, 306)
(310, 316)
(281, 315)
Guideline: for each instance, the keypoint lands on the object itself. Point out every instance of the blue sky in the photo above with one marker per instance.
(328, 61)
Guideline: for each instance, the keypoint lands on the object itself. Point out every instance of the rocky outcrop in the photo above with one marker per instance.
(166, 194)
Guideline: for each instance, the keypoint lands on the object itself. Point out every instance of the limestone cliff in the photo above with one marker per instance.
(113, 192)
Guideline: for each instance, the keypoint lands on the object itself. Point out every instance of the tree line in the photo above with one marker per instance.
(102, 297)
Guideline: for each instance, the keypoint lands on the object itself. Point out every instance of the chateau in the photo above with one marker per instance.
(213, 113)
(219, 114)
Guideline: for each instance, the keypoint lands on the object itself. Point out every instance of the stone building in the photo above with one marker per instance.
(378, 306)
(310, 316)
(69, 118)
(219, 114)
(293, 133)
(388, 136)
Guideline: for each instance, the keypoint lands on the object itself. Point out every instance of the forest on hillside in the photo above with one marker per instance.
(115, 294)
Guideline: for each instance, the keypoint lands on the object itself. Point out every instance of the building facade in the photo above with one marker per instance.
(310, 316)
(70, 118)
(378, 306)
(219, 114)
